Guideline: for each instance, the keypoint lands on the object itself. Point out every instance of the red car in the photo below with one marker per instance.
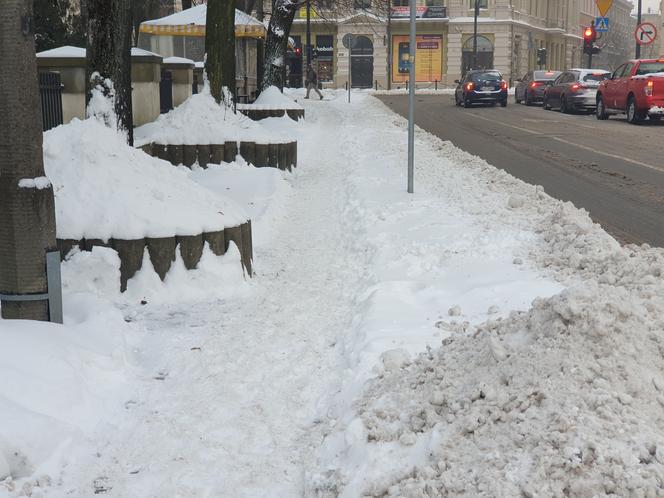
(636, 88)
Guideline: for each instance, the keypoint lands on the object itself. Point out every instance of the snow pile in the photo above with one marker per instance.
(272, 98)
(58, 383)
(200, 120)
(563, 400)
(104, 188)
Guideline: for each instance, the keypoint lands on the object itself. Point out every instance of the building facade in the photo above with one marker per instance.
(508, 36)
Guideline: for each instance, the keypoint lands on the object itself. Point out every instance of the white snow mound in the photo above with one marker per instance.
(271, 97)
(200, 120)
(104, 188)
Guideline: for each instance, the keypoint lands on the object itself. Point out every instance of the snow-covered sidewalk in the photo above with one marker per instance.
(291, 384)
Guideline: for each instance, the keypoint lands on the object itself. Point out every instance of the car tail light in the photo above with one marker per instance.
(649, 87)
(503, 85)
(577, 86)
(535, 84)
(469, 86)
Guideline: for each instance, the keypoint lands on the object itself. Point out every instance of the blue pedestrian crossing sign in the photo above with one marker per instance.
(602, 24)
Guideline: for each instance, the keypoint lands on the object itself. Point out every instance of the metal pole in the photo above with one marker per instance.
(411, 97)
(350, 47)
(308, 33)
(389, 45)
(477, 13)
(638, 21)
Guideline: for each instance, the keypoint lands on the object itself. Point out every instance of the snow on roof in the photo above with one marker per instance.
(178, 60)
(68, 51)
(139, 52)
(65, 52)
(196, 16)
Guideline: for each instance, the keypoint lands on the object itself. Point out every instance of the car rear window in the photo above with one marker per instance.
(488, 76)
(591, 77)
(650, 67)
(545, 75)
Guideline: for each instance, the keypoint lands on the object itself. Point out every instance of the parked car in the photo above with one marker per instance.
(530, 88)
(636, 88)
(574, 90)
(483, 86)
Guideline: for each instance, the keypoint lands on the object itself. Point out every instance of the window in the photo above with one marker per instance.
(434, 3)
(362, 4)
(618, 72)
(627, 71)
(400, 3)
(483, 4)
(650, 67)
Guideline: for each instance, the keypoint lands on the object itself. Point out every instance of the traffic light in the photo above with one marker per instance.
(589, 37)
(541, 56)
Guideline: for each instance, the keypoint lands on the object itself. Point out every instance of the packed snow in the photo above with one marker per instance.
(200, 120)
(106, 189)
(476, 338)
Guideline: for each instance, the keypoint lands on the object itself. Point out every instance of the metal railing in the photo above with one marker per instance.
(50, 93)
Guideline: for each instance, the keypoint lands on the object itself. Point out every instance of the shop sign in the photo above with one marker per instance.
(421, 11)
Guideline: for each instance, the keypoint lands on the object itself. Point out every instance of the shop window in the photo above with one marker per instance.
(325, 71)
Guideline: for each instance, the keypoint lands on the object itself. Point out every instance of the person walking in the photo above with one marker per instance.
(311, 81)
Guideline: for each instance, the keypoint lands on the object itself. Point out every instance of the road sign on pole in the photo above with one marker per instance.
(645, 33)
(602, 24)
(603, 6)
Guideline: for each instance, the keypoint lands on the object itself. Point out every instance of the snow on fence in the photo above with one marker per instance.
(162, 250)
(261, 155)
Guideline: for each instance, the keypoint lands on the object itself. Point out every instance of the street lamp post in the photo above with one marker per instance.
(308, 33)
(638, 21)
(477, 13)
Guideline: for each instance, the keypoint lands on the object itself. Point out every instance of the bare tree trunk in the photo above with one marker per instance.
(27, 215)
(276, 43)
(109, 58)
(220, 47)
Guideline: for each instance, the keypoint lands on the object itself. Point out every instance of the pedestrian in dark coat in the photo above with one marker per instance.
(311, 82)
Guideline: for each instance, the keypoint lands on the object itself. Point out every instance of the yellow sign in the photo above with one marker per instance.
(428, 58)
(603, 6)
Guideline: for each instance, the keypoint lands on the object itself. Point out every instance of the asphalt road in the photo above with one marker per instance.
(611, 168)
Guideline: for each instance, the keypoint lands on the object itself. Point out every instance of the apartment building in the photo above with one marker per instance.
(508, 36)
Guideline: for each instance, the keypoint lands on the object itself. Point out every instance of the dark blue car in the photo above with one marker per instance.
(482, 86)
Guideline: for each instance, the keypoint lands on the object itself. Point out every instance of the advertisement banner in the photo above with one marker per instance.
(428, 58)
(421, 11)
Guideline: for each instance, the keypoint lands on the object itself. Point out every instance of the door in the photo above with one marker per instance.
(520, 90)
(620, 91)
(361, 63)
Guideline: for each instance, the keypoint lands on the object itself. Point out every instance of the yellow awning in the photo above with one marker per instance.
(241, 31)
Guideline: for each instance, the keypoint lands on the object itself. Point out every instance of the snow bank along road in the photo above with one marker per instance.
(388, 345)
(607, 167)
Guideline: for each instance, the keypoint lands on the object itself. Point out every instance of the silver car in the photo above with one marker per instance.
(575, 90)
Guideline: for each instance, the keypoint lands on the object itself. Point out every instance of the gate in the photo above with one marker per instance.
(50, 93)
(166, 91)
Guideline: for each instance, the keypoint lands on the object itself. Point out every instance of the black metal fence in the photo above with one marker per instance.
(50, 92)
(166, 91)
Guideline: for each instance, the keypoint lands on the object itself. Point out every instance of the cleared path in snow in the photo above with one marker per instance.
(231, 388)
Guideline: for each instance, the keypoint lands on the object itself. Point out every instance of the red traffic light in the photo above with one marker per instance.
(298, 50)
(589, 34)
